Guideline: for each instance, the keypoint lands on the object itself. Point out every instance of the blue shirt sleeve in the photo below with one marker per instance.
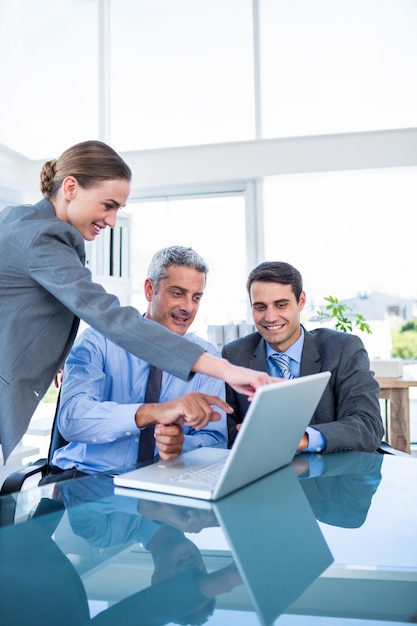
(316, 440)
(103, 386)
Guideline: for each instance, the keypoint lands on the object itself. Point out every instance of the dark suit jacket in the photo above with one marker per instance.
(44, 290)
(348, 413)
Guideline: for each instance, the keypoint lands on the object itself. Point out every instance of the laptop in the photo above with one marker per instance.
(271, 431)
(269, 528)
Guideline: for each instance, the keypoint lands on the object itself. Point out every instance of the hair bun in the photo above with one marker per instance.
(47, 176)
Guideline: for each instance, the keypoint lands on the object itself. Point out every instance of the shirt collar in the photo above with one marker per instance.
(294, 351)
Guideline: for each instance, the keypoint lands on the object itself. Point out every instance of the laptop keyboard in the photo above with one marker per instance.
(203, 475)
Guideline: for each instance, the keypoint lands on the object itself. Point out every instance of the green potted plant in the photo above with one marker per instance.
(343, 316)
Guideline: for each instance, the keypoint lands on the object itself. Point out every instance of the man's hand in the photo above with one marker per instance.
(169, 440)
(186, 519)
(194, 409)
(220, 581)
(303, 443)
(58, 378)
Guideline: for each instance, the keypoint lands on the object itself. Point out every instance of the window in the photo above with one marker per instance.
(215, 228)
(347, 232)
(108, 258)
(182, 72)
(50, 67)
(330, 66)
(394, 311)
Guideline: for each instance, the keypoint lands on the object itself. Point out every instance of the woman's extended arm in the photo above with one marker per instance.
(242, 379)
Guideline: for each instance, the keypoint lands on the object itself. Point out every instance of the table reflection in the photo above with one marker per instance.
(339, 486)
(267, 543)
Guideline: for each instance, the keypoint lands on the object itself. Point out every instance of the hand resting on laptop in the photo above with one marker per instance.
(194, 409)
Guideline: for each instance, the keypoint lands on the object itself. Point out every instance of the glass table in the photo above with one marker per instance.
(330, 539)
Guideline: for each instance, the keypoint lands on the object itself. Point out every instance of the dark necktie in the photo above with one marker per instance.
(283, 362)
(147, 440)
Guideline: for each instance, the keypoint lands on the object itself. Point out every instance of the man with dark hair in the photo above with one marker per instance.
(348, 415)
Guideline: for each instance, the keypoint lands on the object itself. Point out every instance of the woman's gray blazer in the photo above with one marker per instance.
(44, 291)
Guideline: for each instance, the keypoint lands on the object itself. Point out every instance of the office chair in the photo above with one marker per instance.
(14, 482)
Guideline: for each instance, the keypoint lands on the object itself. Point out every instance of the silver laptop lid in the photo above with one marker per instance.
(272, 429)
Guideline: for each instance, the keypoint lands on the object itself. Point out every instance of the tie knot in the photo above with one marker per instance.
(282, 361)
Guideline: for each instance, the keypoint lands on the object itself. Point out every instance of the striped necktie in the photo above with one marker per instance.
(146, 438)
(283, 362)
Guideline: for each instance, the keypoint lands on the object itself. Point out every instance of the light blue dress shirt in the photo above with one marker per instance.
(103, 386)
(316, 440)
(103, 519)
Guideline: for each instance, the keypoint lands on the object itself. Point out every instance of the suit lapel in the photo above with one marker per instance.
(311, 362)
(258, 359)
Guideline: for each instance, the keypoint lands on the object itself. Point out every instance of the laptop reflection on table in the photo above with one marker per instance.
(272, 534)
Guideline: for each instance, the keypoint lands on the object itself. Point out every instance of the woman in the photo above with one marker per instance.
(45, 289)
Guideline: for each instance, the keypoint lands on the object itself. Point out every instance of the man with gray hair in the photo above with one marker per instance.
(105, 411)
